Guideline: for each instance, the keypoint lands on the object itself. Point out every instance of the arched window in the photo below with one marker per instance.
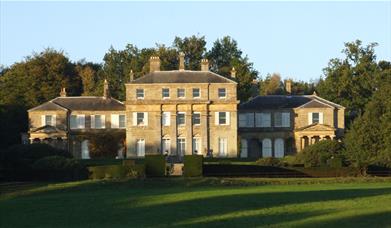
(266, 148)
(279, 148)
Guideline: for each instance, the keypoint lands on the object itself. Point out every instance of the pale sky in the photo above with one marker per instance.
(295, 39)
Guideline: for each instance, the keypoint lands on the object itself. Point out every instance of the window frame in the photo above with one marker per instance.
(137, 94)
(313, 118)
(142, 123)
(184, 119)
(119, 121)
(225, 93)
(199, 118)
(165, 90)
(225, 118)
(199, 93)
(166, 122)
(184, 93)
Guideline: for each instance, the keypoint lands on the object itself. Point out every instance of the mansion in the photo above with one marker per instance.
(185, 112)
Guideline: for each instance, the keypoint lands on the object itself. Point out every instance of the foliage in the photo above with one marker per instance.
(58, 168)
(369, 139)
(117, 171)
(193, 165)
(105, 144)
(155, 165)
(194, 48)
(13, 121)
(272, 85)
(319, 153)
(269, 161)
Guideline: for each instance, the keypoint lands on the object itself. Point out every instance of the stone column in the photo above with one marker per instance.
(189, 131)
(159, 125)
(204, 131)
(312, 140)
(173, 131)
(302, 142)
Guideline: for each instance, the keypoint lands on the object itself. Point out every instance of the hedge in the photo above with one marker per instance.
(155, 165)
(57, 168)
(116, 171)
(193, 165)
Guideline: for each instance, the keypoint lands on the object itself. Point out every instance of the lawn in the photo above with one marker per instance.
(208, 202)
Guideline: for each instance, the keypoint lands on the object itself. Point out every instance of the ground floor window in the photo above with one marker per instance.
(266, 148)
(223, 147)
(85, 153)
(140, 147)
(243, 148)
(166, 146)
(196, 145)
(279, 148)
(181, 146)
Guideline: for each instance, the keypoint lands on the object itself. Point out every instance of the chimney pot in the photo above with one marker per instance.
(233, 72)
(288, 86)
(63, 92)
(131, 76)
(181, 61)
(106, 92)
(154, 64)
(204, 65)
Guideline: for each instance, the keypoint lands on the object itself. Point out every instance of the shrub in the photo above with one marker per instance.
(193, 165)
(289, 160)
(270, 161)
(58, 168)
(155, 165)
(319, 153)
(105, 145)
(117, 171)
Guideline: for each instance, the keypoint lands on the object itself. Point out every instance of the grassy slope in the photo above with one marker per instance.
(161, 203)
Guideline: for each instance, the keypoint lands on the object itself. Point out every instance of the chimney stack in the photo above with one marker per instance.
(131, 76)
(181, 61)
(106, 92)
(63, 92)
(233, 72)
(204, 65)
(288, 86)
(154, 64)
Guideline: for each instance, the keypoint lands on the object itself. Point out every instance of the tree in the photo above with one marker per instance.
(194, 49)
(272, 85)
(369, 139)
(90, 75)
(106, 144)
(224, 55)
(351, 81)
(320, 153)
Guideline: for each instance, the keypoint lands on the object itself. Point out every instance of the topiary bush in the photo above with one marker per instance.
(58, 168)
(319, 153)
(155, 165)
(193, 165)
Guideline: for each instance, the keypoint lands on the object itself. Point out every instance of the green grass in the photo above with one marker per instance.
(207, 202)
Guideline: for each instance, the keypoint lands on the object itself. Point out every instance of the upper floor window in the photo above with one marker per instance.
(165, 92)
(222, 93)
(246, 120)
(196, 93)
(140, 118)
(262, 119)
(140, 93)
(181, 93)
(196, 118)
(181, 118)
(118, 121)
(98, 121)
(166, 119)
(315, 117)
(282, 119)
(222, 118)
(49, 120)
(77, 121)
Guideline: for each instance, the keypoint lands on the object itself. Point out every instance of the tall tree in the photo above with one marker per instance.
(272, 85)
(224, 55)
(90, 75)
(194, 48)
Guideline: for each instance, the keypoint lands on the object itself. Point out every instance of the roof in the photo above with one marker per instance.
(81, 103)
(182, 76)
(282, 101)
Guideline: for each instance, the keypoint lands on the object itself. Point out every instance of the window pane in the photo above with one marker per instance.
(166, 119)
(181, 93)
(315, 117)
(196, 118)
(196, 145)
(278, 119)
(121, 121)
(181, 118)
(140, 118)
(140, 93)
(222, 118)
(48, 120)
(222, 92)
(196, 92)
(98, 121)
(165, 92)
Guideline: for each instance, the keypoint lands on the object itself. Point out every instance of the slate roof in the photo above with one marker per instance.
(81, 103)
(182, 76)
(282, 101)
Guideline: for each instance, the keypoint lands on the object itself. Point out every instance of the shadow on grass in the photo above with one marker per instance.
(118, 204)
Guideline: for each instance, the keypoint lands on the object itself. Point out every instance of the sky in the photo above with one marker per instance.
(295, 39)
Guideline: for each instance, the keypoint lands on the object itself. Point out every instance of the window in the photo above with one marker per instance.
(222, 92)
(166, 146)
(181, 118)
(246, 120)
(223, 147)
(196, 93)
(315, 117)
(278, 119)
(49, 120)
(77, 121)
(118, 121)
(85, 153)
(222, 118)
(262, 119)
(166, 119)
(196, 118)
(243, 148)
(181, 146)
(266, 148)
(286, 119)
(140, 119)
(140, 147)
(140, 93)
(97, 121)
(197, 145)
(181, 93)
(166, 93)
(279, 148)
